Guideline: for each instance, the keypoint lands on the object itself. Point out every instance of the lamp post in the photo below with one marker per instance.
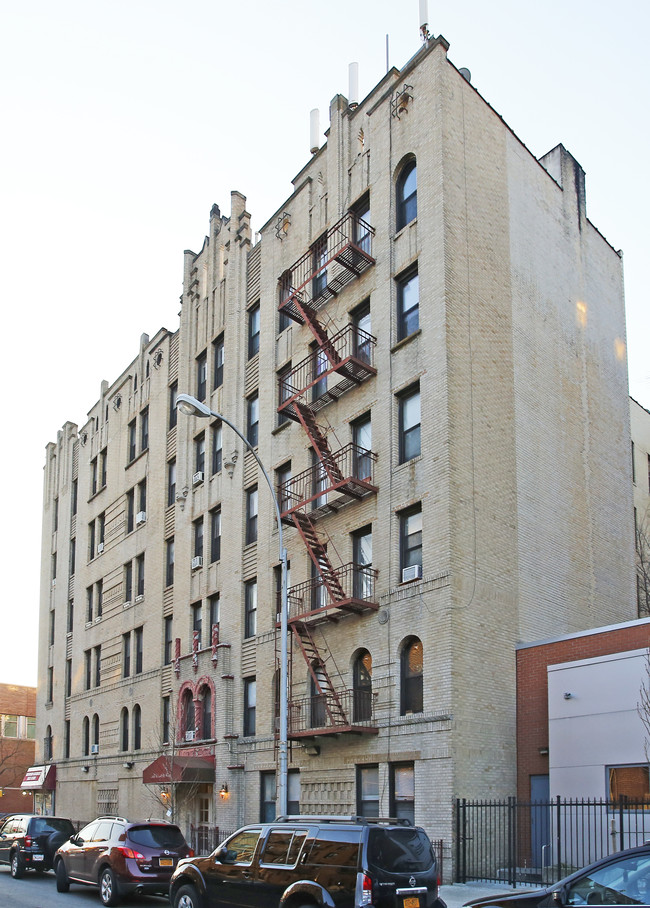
(190, 406)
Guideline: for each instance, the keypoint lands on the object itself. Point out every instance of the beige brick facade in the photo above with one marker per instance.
(640, 427)
(522, 480)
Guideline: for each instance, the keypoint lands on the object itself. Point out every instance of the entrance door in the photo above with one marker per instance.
(540, 827)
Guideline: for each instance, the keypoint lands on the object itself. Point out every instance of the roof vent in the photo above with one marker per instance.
(465, 73)
(353, 78)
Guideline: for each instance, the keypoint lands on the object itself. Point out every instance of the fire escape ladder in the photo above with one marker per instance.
(319, 443)
(318, 330)
(318, 554)
(318, 671)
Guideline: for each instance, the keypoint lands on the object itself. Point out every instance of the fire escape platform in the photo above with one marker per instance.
(333, 730)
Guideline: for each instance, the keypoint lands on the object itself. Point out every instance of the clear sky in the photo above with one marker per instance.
(124, 121)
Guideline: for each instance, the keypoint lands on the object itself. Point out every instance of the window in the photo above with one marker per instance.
(320, 366)
(196, 623)
(126, 655)
(409, 424)
(215, 534)
(132, 442)
(267, 802)
(91, 540)
(99, 597)
(319, 266)
(75, 496)
(188, 716)
(48, 744)
(139, 564)
(98, 665)
(89, 604)
(408, 305)
(218, 357)
(214, 610)
(137, 727)
(633, 466)
(55, 515)
(168, 640)
(70, 616)
(93, 476)
(283, 486)
(362, 229)
(103, 461)
(66, 739)
(205, 695)
(68, 677)
(171, 483)
(402, 791)
(88, 669)
(217, 447)
(124, 729)
(362, 563)
(198, 538)
(362, 441)
(250, 608)
(51, 627)
(85, 736)
(73, 555)
(253, 419)
(362, 687)
(407, 195)
(169, 562)
(201, 375)
(130, 510)
(96, 730)
(630, 782)
(253, 330)
(166, 713)
(101, 528)
(128, 581)
(173, 412)
(318, 697)
(199, 453)
(144, 429)
(285, 391)
(368, 791)
(410, 522)
(362, 336)
(251, 515)
(411, 672)
(139, 654)
(284, 291)
(142, 496)
(250, 702)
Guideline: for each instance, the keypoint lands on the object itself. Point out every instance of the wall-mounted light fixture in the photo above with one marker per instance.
(224, 794)
(128, 764)
(543, 751)
(567, 695)
(85, 768)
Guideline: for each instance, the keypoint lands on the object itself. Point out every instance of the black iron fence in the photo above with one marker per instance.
(204, 838)
(514, 841)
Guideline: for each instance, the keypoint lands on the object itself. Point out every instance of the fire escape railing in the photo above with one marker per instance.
(310, 599)
(318, 715)
(352, 463)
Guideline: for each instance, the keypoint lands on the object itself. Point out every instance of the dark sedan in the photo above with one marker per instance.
(619, 879)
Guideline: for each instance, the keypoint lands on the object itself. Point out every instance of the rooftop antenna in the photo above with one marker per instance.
(387, 55)
(424, 21)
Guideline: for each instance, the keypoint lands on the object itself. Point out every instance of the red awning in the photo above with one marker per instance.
(170, 768)
(38, 777)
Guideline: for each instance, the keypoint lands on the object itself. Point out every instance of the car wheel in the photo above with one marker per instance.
(62, 881)
(187, 897)
(16, 864)
(108, 887)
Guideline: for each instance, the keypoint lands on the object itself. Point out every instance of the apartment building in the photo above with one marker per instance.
(17, 731)
(640, 428)
(426, 348)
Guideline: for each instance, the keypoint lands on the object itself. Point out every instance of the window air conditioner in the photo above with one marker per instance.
(140, 517)
(197, 478)
(413, 572)
(197, 562)
(94, 748)
(189, 735)
(100, 548)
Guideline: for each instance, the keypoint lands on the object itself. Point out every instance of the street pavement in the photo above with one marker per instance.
(457, 894)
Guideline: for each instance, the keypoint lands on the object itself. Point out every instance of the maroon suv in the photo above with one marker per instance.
(121, 858)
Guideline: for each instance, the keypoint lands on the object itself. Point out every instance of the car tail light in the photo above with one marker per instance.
(130, 853)
(190, 853)
(28, 841)
(364, 890)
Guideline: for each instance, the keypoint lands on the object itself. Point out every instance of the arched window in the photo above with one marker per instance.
(124, 729)
(96, 729)
(362, 686)
(188, 717)
(206, 712)
(411, 700)
(85, 736)
(407, 195)
(137, 727)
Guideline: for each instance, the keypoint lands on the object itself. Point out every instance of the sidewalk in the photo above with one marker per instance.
(457, 894)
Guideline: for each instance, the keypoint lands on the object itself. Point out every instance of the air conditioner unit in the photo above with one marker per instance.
(100, 548)
(189, 735)
(94, 748)
(140, 517)
(197, 562)
(413, 572)
(197, 478)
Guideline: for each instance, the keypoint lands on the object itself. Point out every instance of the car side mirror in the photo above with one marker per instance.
(558, 897)
(220, 854)
(75, 839)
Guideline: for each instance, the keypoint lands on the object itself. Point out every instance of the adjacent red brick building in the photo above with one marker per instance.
(532, 688)
(17, 726)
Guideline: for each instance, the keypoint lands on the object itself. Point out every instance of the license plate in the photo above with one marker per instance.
(166, 862)
(412, 902)
(37, 857)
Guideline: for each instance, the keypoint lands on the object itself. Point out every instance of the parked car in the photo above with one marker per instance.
(121, 857)
(28, 842)
(622, 878)
(341, 862)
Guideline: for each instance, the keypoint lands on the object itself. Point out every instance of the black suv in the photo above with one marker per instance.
(300, 862)
(29, 841)
(121, 857)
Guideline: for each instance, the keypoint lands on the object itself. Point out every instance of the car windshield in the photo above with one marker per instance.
(157, 836)
(401, 850)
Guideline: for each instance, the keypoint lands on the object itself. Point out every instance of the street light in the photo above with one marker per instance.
(190, 406)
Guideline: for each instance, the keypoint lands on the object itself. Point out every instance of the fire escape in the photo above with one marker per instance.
(339, 360)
